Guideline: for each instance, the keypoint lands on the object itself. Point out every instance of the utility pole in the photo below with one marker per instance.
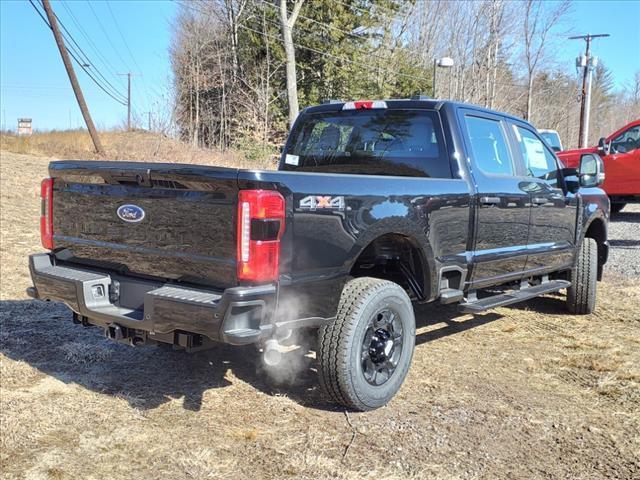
(149, 118)
(53, 23)
(587, 63)
(128, 74)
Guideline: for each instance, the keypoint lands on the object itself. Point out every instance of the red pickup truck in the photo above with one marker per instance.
(620, 152)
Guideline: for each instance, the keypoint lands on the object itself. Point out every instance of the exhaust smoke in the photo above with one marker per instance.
(287, 363)
(288, 356)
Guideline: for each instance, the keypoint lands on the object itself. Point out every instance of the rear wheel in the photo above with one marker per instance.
(617, 207)
(364, 355)
(581, 295)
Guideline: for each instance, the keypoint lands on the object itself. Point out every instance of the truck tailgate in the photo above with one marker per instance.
(179, 223)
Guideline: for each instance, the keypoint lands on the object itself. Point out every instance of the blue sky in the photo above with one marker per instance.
(33, 81)
(621, 51)
(34, 84)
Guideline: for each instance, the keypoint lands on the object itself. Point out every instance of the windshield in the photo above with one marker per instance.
(369, 142)
(553, 139)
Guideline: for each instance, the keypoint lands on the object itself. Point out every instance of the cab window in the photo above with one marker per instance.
(369, 142)
(489, 145)
(627, 141)
(539, 161)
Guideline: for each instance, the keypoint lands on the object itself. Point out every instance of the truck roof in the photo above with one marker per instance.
(417, 102)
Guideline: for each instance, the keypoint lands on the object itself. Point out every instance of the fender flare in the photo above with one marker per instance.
(416, 236)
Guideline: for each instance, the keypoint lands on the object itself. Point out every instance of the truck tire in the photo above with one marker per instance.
(365, 354)
(581, 295)
(617, 207)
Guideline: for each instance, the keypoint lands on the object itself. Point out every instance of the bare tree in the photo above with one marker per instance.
(231, 90)
(287, 22)
(539, 20)
(233, 10)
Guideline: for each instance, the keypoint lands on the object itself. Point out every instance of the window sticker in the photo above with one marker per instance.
(291, 159)
(535, 153)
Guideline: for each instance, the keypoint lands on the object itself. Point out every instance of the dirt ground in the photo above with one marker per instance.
(523, 392)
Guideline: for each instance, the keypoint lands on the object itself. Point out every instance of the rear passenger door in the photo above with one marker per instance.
(502, 213)
(553, 213)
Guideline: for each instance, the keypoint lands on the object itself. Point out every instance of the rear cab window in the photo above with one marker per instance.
(369, 142)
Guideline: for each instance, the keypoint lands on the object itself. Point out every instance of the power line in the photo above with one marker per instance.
(332, 27)
(335, 57)
(312, 32)
(351, 34)
(325, 54)
(68, 65)
(115, 21)
(107, 36)
(70, 39)
(84, 64)
(87, 37)
(84, 58)
(341, 59)
(115, 49)
(358, 37)
(72, 54)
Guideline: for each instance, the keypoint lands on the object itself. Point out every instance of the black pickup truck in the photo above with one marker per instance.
(376, 205)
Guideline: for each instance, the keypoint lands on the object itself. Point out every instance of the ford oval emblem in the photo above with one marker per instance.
(130, 213)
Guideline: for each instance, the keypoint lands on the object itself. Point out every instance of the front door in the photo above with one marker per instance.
(502, 213)
(553, 212)
(622, 165)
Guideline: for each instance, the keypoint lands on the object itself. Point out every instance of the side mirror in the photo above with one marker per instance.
(591, 173)
(603, 146)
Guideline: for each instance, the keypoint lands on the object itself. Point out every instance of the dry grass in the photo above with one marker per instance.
(524, 392)
(119, 145)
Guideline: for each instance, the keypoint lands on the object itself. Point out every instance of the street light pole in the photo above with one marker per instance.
(444, 62)
(435, 76)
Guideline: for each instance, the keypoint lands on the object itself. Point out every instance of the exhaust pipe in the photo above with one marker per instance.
(272, 353)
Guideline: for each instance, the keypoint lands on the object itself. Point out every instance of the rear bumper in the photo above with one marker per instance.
(238, 315)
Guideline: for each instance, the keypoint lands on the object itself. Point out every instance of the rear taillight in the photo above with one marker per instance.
(46, 214)
(260, 227)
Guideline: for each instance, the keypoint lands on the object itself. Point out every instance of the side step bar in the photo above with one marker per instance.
(515, 296)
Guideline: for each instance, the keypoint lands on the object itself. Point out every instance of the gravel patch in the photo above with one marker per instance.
(624, 238)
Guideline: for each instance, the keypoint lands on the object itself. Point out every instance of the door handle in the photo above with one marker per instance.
(539, 200)
(490, 200)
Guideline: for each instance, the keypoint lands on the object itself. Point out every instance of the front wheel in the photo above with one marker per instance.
(364, 355)
(581, 295)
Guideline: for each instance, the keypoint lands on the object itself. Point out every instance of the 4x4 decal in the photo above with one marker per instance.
(317, 202)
